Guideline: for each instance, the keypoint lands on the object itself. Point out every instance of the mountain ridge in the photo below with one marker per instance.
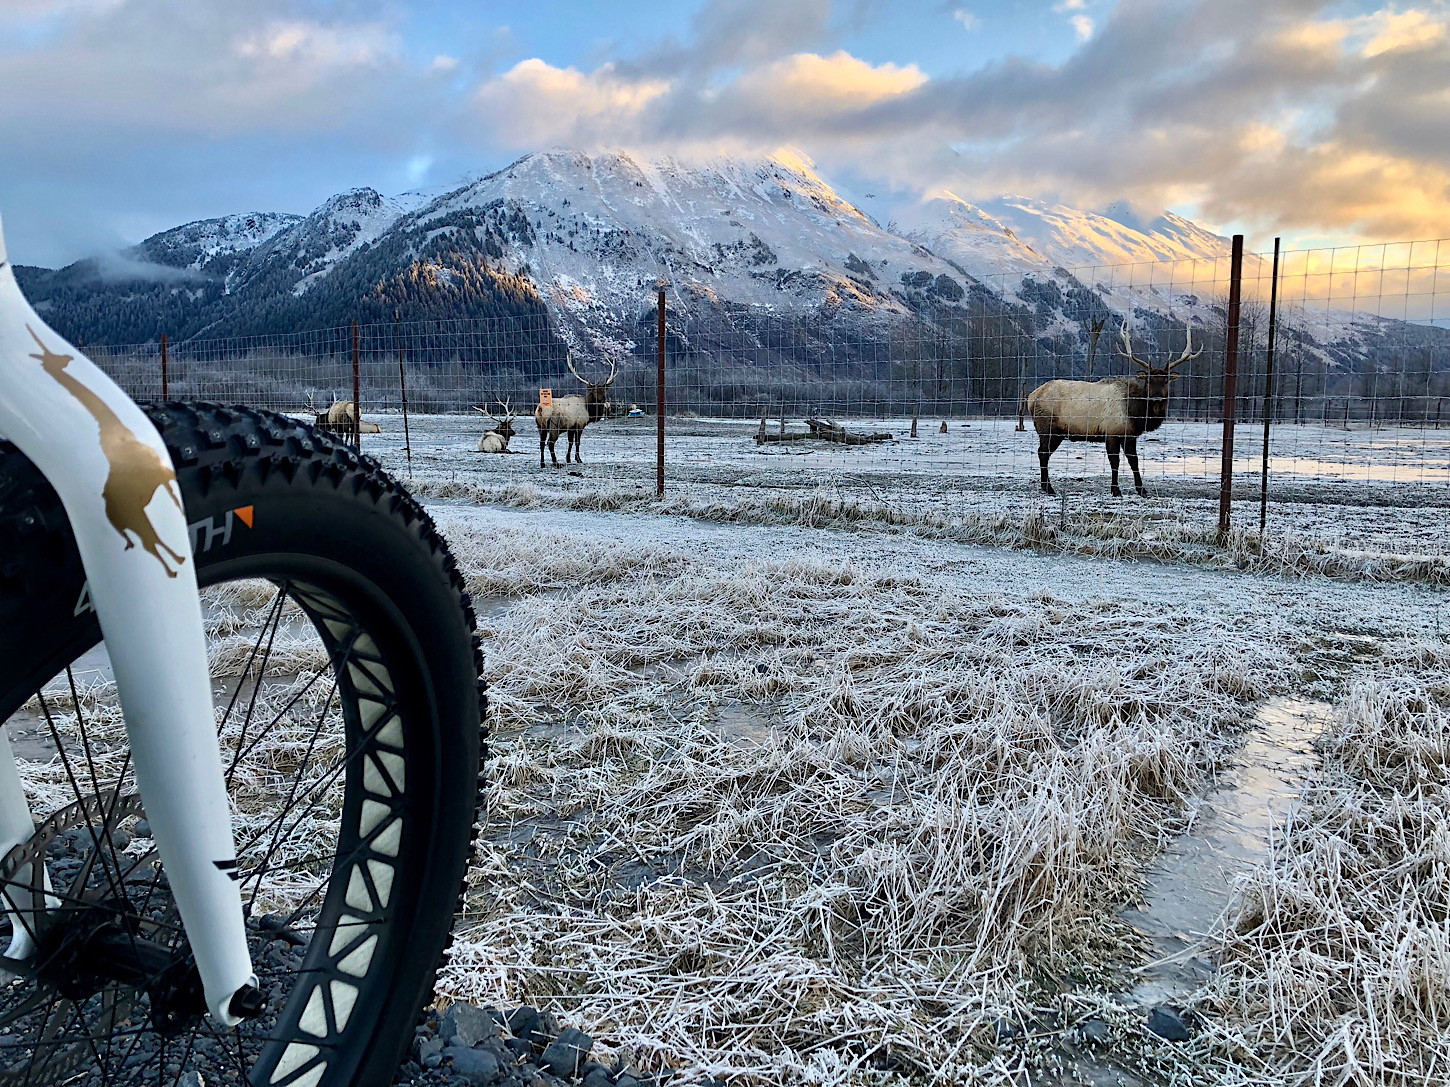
(590, 234)
(573, 245)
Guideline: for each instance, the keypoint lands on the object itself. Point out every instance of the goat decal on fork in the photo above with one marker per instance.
(137, 470)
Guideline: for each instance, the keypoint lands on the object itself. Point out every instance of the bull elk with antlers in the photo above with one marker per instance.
(571, 414)
(1113, 410)
(497, 439)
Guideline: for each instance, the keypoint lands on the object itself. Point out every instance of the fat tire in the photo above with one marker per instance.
(309, 495)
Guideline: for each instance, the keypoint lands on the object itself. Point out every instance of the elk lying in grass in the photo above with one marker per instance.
(571, 414)
(1113, 410)
(497, 439)
(341, 417)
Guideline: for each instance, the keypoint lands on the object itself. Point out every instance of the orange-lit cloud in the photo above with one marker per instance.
(1275, 117)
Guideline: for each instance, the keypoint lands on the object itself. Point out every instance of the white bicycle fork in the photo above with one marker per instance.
(115, 479)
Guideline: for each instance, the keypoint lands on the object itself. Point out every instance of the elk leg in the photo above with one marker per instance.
(1113, 445)
(554, 453)
(578, 444)
(543, 439)
(1130, 447)
(1047, 445)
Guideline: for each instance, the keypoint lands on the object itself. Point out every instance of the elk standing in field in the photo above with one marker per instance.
(497, 439)
(1113, 410)
(571, 414)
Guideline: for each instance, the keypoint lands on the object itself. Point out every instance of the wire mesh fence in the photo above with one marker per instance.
(918, 396)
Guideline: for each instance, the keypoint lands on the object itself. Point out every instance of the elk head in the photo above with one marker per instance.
(1157, 378)
(596, 396)
(504, 426)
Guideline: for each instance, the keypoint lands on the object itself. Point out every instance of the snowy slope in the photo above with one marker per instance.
(772, 234)
(339, 228)
(199, 246)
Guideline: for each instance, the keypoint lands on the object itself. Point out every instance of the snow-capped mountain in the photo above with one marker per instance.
(1013, 235)
(580, 241)
(596, 233)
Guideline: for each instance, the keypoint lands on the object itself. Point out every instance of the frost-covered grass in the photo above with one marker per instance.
(1361, 503)
(785, 806)
(1336, 962)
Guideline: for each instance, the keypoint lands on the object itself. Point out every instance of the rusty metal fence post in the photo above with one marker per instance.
(356, 395)
(660, 403)
(1230, 386)
(403, 392)
(165, 388)
(1268, 394)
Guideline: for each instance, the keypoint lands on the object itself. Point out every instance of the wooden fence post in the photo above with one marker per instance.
(1230, 386)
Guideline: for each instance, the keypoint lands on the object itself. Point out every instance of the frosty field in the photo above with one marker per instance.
(777, 804)
(1384, 492)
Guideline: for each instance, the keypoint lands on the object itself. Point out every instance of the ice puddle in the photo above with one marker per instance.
(1192, 882)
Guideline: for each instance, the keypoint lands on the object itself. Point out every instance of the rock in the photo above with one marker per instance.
(524, 1023)
(142, 829)
(566, 1053)
(120, 839)
(466, 1025)
(1094, 1030)
(478, 1066)
(598, 1078)
(1167, 1024)
(433, 1060)
(190, 1079)
(519, 1046)
(427, 1048)
(626, 1080)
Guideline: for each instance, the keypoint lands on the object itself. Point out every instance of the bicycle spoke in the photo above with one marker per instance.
(270, 627)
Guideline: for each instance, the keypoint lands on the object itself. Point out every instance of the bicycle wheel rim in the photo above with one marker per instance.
(325, 1003)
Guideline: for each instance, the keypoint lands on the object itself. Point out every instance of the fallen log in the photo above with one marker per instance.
(831, 431)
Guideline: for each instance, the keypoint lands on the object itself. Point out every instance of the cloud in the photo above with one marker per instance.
(535, 103)
(1269, 117)
(1288, 116)
(122, 267)
(1408, 30)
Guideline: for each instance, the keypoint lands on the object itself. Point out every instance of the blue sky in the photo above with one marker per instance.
(1321, 121)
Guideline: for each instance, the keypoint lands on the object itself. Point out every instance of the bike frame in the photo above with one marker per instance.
(109, 466)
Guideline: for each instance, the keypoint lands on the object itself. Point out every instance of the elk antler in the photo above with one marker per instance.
(1127, 350)
(1187, 346)
(570, 360)
(485, 411)
(612, 375)
(508, 413)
